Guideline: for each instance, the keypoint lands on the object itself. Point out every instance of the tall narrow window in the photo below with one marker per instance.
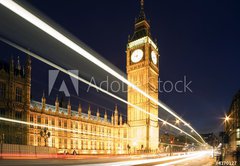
(2, 112)
(31, 120)
(65, 124)
(76, 125)
(19, 94)
(18, 115)
(2, 90)
(59, 123)
(53, 122)
(46, 121)
(39, 121)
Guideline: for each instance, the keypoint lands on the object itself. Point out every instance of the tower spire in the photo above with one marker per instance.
(142, 27)
(142, 15)
(142, 5)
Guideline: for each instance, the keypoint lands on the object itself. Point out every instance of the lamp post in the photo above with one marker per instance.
(134, 145)
(45, 134)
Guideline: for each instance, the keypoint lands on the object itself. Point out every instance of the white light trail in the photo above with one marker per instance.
(19, 10)
(191, 157)
(58, 128)
(179, 158)
(92, 85)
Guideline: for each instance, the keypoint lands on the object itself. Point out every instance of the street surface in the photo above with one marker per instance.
(192, 159)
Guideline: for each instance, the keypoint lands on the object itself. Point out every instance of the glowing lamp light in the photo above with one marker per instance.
(227, 118)
(177, 121)
(135, 143)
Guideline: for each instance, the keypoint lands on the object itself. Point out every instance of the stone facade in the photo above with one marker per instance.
(69, 130)
(15, 87)
(232, 123)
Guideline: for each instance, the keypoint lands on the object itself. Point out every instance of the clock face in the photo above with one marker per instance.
(137, 55)
(154, 57)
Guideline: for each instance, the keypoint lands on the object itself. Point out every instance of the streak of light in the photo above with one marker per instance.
(146, 161)
(90, 84)
(19, 10)
(63, 129)
(194, 156)
(58, 128)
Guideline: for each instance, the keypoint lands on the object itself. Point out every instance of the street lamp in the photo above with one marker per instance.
(226, 119)
(134, 145)
(45, 134)
(177, 121)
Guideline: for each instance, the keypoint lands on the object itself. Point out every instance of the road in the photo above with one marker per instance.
(193, 159)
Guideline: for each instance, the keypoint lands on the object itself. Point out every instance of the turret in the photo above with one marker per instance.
(105, 116)
(116, 116)
(89, 112)
(43, 102)
(69, 108)
(120, 119)
(57, 105)
(112, 119)
(98, 114)
(18, 64)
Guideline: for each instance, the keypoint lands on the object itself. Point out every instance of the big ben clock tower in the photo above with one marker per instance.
(143, 71)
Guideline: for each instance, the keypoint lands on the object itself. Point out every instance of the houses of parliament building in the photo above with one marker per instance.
(72, 130)
(69, 130)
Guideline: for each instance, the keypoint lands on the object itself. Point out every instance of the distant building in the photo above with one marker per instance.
(232, 123)
(211, 139)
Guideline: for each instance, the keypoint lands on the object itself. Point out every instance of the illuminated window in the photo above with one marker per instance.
(39, 119)
(2, 90)
(53, 142)
(125, 134)
(72, 144)
(31, 120)
(31, 140)
(60, 141)
(81, 144)
(39, 140)
(59, 123)
(19, 94)
(76, 125)
(46, 121)
(53, 122)
(65, 143)
(65, 124)
(238, 133)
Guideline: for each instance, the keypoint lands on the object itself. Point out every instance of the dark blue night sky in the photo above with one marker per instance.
(197, 39)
